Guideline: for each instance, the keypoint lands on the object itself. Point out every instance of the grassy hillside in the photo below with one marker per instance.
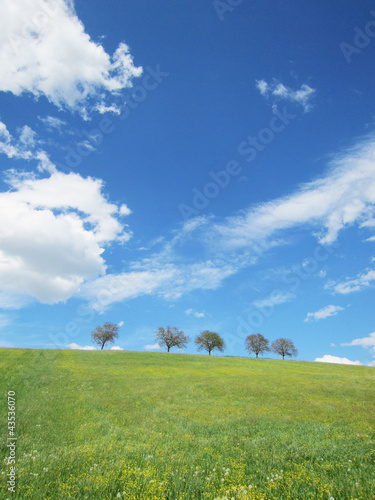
(106, 425)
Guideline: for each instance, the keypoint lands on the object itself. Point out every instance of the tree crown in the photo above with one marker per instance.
(103, 334)
(284, 347)
(171, 337)
(209, 341)
(257, 343)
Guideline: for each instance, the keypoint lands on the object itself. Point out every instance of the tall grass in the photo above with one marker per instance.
(106, 425)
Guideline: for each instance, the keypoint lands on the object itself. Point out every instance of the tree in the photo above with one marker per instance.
(171, 337)
(257, 344)
(103, 334)
(209, 341)
(284, 347)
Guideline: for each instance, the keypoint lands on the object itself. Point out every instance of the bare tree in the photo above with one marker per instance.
(171, 337)
(284, 347)
(257, 344)
(209, 341)
(103, 334)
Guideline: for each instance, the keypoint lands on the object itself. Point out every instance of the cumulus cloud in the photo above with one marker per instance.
(343, 197)
(362, 281)
(152, 347)
(366, 342)
(116, 348)
(324, 313)
(195, 313)
(327, 358)
(44, 51)
(279, 91)
(54, 231)
(77, 347)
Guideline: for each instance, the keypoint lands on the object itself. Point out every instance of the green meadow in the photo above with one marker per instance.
(132, 425)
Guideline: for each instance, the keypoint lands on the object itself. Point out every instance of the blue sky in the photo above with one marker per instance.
(205, 165)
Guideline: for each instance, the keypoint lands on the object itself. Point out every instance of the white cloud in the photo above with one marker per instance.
(152, 347)
(327, 358)
(276, 298)
(44, 51)
(152, 276)
(363, 280)
(25, 147)
(53, 235)
(322, 274)
(51, 122)
(77, 347)
(116, 348)
(278, 90)
(18, 148)
(120, 324)
(345, 196)
(101, 108)
(195, 313)
(366, 342)
(324, 313)
(372, 363)
(110, 289)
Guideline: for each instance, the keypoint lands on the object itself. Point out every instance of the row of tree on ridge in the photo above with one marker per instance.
(208, 341)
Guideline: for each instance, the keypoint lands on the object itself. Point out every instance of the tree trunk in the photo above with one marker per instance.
(209, 353)
(256, 354)
(168, 348)
(283, 356)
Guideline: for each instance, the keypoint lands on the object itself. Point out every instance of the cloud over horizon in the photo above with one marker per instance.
(327, 358)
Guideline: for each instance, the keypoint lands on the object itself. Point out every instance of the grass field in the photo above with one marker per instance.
(108, 425)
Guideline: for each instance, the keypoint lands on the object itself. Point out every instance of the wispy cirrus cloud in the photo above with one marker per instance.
(54, 57)
(274, 299)
(324, 313)
(166, 279)
(278, 91)
(53, 123)
(343, 197)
